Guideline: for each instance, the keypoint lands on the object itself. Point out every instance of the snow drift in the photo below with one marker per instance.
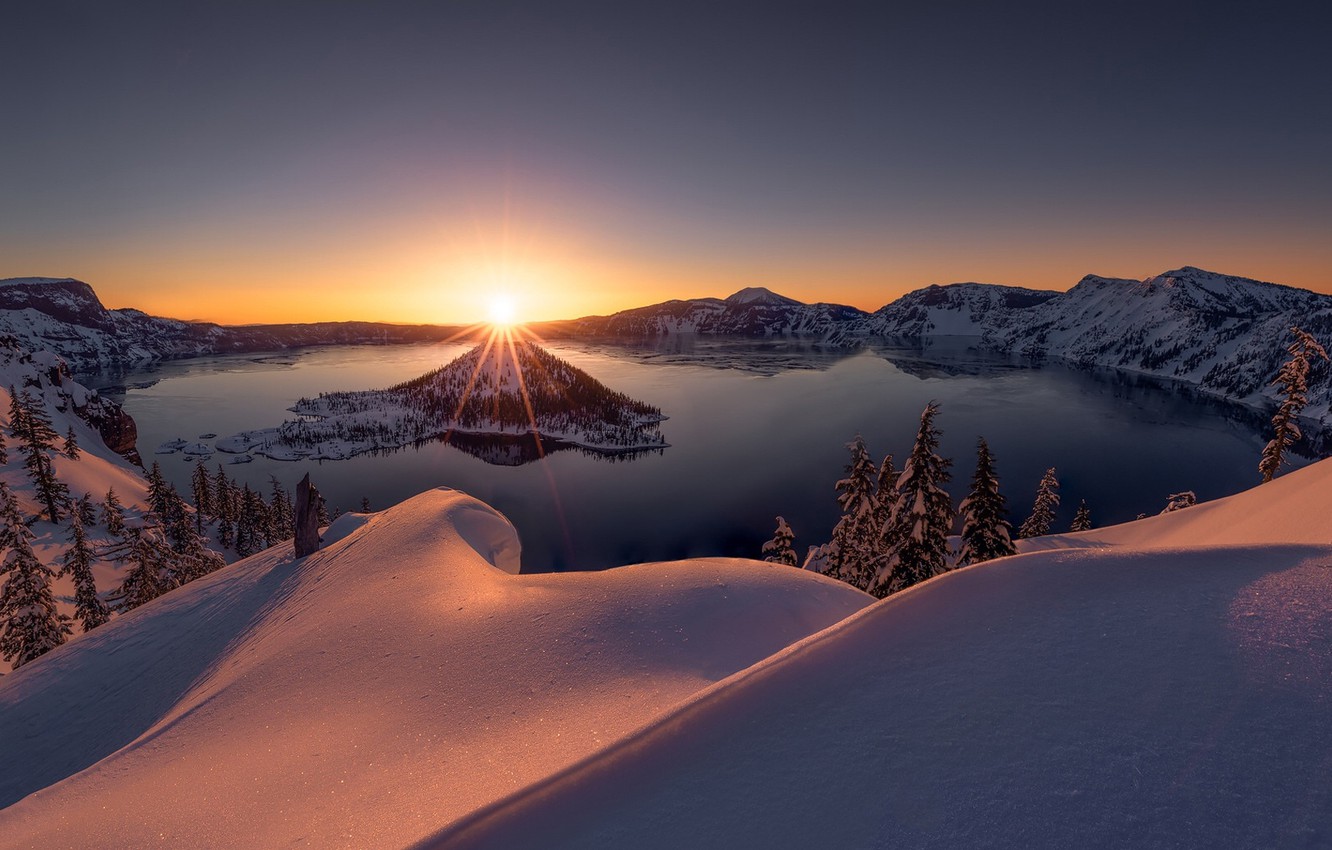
(373, 692)
(1166, 684)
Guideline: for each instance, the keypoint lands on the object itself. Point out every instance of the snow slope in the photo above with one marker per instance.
(1165, 684)
(372, 692)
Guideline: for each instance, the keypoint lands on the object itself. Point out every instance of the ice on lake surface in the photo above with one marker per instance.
(756, 429)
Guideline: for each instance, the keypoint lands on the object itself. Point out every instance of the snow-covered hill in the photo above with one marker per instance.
(958, 309)
(370, 693)
(754, 311)
(65, 316)
(1161, 684)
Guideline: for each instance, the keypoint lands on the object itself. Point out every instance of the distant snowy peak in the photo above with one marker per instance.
(754, 311)
(958, 309)
(761, 295)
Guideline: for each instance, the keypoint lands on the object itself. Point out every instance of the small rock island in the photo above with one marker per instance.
(502, 390)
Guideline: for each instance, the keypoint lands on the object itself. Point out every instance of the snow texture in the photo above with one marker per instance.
(374, 691)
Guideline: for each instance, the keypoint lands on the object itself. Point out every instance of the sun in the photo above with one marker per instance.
(503, 311)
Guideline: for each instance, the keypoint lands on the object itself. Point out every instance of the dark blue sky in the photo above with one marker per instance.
(591, 156)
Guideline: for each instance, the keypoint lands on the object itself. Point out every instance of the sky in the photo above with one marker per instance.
(408, 162)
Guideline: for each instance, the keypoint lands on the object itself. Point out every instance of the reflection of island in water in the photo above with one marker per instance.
(506, 402)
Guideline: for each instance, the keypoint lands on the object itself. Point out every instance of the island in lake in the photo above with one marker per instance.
(511, 399)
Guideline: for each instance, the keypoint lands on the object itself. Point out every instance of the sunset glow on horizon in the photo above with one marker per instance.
(231, 166)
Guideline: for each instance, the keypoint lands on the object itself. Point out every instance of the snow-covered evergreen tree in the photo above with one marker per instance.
(113, 513)
(855, 537)
(30, 623)
(922, 515)
(71, 446)
(201, 490)
(779, 549)
(1293, 381)
(1180, 501)
(1043, 510)
(36, 441)
(77, 563)
(986, 532)
(151, 566)
(281, 513)
(365, 504)
(86, 510)
(1082, 519)
(4, 448)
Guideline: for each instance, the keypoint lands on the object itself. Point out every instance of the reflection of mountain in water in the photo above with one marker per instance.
(518, 450)
(759, 357)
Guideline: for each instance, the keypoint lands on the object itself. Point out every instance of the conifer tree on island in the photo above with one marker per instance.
(76, 563)
(986, 532)
(779, 550)
(922, 515)
(30, 623)
(1043, 510)
(1293, 380)
(1081, 519)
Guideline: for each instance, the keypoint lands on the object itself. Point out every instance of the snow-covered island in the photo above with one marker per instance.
(508, 391)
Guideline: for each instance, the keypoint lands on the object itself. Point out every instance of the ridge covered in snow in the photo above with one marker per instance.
(374, 691)
(65, 316)
(503, 389)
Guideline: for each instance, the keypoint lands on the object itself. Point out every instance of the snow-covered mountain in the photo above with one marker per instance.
(65, 316)
(506, 388)
(1163, 683)
(958, 309)
(754, 311)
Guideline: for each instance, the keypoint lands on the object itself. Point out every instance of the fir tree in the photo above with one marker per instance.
(281, 513)
(201, 490)
(365, 504)
(1293, 383)
(1043, 509)
(1082, 519)
(71, 447)
(855, 538)
(922, 514)
(37, 439)
(86, 510)
(151, 566)
(779, 550)
(986, 532)
(113, 513)
(4, 449)
(885, 493)
(76, 563)
(30, 623)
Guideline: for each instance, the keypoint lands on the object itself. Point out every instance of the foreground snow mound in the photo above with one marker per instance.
(373, 692)
(1059, 699)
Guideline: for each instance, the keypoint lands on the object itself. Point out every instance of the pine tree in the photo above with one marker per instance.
(37, 438)
(1180, 501)
(885, 494)
(4, 449)
(281, 513)
(1293, 381)
(1082, 519)
(855, 538)
(365, 504)
(113, 513)
(922, 514)
(151, 566)
(201, 489)
(30, 623)
(779, 550)
(1043, 509)
(76, 563)
(86, 510)
(71, 447)
(986, 532)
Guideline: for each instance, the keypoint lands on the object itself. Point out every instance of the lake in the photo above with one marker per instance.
(756, 429)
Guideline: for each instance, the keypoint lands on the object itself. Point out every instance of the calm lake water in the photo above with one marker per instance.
(756, 429)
